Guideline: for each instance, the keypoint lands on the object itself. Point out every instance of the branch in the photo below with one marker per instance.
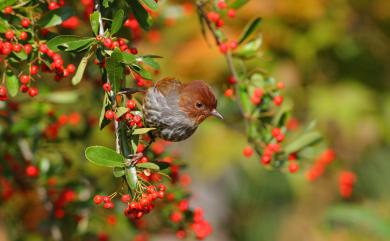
(111, 93)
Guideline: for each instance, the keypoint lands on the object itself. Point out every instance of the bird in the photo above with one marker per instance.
(176, 109)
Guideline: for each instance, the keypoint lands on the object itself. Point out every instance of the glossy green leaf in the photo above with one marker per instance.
(142, 16)
(141, 131)
(128, 58)
(104, 156)
(117, 21)
(94, 20)
(249, 29)
(62, 97)
(148, 165)
(249, 50)
(80, 71)
(56, 17)
(121, 111)
(4, 26)
(141, 71)
(238, 4)
(151, 62)
(118, 172)
(59, 40)
(77, 46)
(162, 165)
(150, 4)
(131, 177)
(115, 69)
(12, 83)
(304, 140)
(21, 55)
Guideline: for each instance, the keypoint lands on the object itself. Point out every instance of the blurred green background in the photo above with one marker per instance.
(334, 57)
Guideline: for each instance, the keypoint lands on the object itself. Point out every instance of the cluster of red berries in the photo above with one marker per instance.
(52, 129)
(323, 160)
(65, 197)
(347, 180)
(135, 208)
(132, 119)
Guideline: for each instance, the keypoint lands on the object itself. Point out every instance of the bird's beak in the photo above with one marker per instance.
(215, 113)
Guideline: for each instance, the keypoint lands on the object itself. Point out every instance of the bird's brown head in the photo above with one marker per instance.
(198, 101)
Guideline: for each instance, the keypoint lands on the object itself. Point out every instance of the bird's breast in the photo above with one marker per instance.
(163, 113)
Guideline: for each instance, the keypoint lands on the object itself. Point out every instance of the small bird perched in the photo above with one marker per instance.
(177, 109)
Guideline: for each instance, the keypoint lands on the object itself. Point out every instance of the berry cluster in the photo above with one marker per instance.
(320, 163)
(347, 180)
(21, 44)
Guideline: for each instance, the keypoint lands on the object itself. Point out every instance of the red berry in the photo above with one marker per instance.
(223, 48)
(33, 91)
(280, 137)
(3, 91)
(233, 44)
(24, 88)
(229, 92)
(137, 119)
(97, 199)
(232, 13)
(109, 114)
(17, 48)
(181, 234)
(24, 79)
(25, 22)
(7, 10)
(9, 34)
(131, 104)
(258, 92)
(23, 36)
(107, 87)
(293, 167)
(265, 159)
(108, 205)
(106, 199)
(255, 99)
(53, 5)
(43, 48)
(107, 43)
(162, 187)
(221, 4)
(161, 194)
(280, 85)
(219, 23)
(71, 68)
(232, 80)
(143, 159)
(134, 50)
(213, 16)
(32, 171)
(248, 151)
(27, 48)
(276, 132)
(278, 100)
(126, 198)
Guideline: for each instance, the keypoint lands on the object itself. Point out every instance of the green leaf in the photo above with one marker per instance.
(141, 131)
(115, 69)
(131, 177)
(12, 83)
(148, 165)
(59, 40)
(162, 165)
(118, 172)
(94, 20)
(128, 58)
(121, 111)
(106, 3)
(56, 17)
(63, 97)
(6, 3)
(248, 50)
(150, 4)
(21, 55)
(104, 156)
(117, 21)
(4, 26)
(77, 46)
(151, 62)
(80, 70)
(141, 71)
(304, 140)
(249, 29)
(238, 3)
(142, 16)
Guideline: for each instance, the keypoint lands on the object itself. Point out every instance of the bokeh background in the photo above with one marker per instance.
(334, 57)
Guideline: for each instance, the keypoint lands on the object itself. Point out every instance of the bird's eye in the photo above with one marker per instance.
(199, 105)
